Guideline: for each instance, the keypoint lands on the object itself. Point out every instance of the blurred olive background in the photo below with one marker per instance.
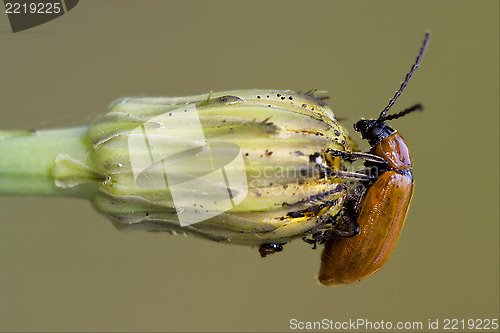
(63, 267)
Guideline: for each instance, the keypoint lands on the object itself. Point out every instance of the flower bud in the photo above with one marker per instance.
(239, 166)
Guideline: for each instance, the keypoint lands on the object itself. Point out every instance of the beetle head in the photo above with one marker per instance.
(373, 130)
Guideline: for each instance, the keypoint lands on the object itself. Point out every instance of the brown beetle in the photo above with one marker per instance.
(379, 210)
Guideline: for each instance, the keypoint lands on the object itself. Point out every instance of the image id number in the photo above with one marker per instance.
(33, 8)
(471, 324)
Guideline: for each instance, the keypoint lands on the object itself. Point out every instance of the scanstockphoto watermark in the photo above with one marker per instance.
(355, 324)
(429, 325)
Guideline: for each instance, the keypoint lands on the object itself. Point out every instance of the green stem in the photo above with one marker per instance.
(28, 163)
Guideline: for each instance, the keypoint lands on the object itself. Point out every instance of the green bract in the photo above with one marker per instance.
(232, 166)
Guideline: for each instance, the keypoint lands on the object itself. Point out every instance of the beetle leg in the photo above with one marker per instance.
(310, 241)
(347, 174)
(348, 227)
(351, 156)
(317, 237)
(317, 158)
(368, 157)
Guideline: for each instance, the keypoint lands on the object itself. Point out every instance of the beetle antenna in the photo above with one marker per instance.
(416, 107)
(407, 78)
